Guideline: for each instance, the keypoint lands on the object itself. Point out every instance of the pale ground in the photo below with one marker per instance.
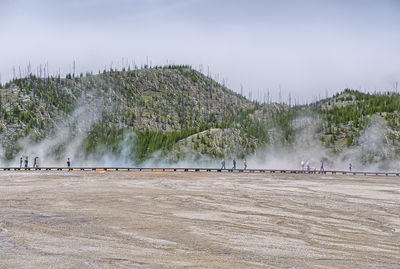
(197, 220)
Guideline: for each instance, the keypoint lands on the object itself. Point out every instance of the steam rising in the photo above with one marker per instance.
(68, 136)
(372, 153)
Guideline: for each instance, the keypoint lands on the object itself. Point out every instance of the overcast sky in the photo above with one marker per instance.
(303, 47)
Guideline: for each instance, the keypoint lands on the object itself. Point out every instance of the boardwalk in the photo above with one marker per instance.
(180, 169)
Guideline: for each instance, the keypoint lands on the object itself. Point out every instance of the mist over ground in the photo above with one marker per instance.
(369, 155)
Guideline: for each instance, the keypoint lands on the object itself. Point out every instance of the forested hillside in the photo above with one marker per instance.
(173, 112)
(145, 110)
(348, 114)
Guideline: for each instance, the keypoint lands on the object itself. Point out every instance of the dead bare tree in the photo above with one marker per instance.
(280, 95)
(210, 88)
(29, 68)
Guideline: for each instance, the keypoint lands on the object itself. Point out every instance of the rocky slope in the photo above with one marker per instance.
(144, 110)
(174, 113)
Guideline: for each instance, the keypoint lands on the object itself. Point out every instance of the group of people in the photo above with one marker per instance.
(234, 164)
(25, 162)
(306, 166)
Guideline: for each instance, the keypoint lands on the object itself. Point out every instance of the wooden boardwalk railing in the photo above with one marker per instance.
(147, 169)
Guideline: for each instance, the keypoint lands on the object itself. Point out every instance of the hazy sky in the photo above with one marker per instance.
(303, 47)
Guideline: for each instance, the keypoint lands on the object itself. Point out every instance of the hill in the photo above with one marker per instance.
(173, 113)
(128, 112)
(369, 122)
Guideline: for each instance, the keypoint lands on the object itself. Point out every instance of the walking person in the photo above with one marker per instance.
(26, 162)
(69, 162)
(308, 166)
(322, 167)
(223, 164)
(350, 167)
(234, 164)
(36, 162)
(245, 164)
(20, 163)
(302, 163)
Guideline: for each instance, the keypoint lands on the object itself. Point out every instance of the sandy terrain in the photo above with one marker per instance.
(197, 220)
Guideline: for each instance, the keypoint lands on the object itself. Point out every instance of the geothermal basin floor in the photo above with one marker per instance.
(197, 220)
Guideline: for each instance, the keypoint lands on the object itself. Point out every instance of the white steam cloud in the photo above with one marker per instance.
(68, 135)
(373, 151)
